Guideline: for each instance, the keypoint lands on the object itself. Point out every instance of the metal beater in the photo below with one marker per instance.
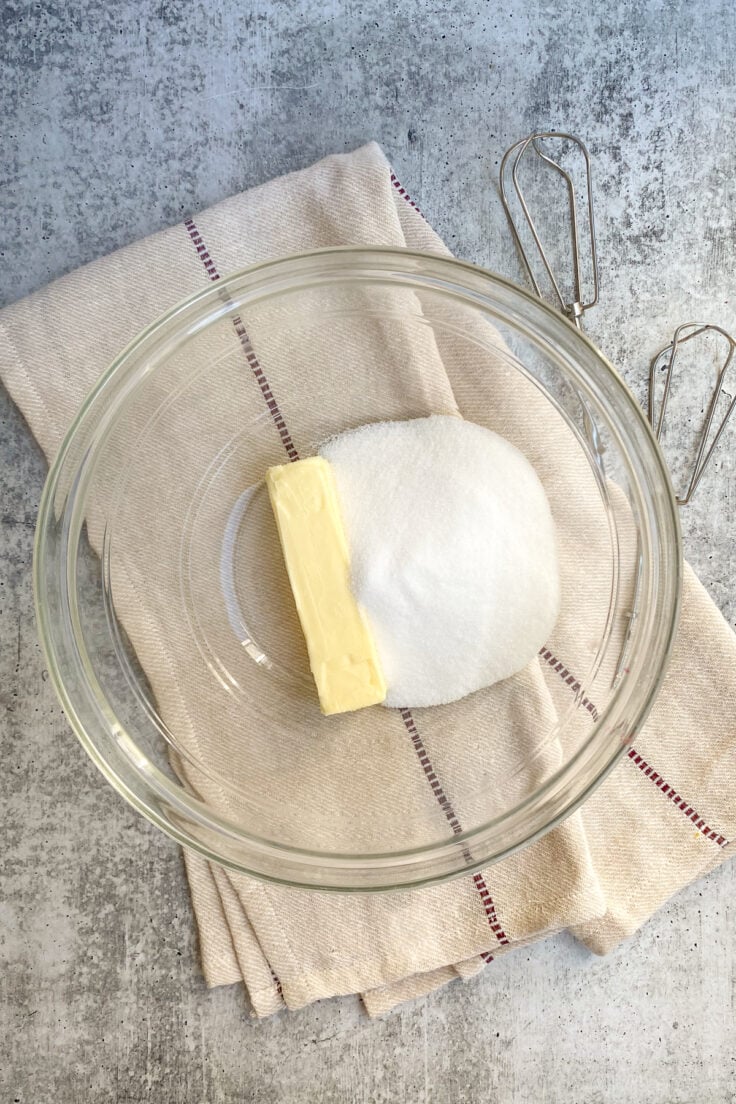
(667, 357)
(575, 304)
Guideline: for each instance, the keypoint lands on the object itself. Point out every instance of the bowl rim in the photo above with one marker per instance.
(163, 801)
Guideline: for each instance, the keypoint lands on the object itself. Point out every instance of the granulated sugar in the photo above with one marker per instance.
(453, 553)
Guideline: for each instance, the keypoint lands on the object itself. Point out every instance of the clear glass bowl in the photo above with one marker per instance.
(168, 627)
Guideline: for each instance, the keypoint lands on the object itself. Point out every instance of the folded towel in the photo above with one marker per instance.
(661, 819)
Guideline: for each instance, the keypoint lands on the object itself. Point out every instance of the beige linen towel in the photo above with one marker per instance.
(664, 816)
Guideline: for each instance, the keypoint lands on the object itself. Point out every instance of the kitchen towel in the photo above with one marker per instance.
(662, 818)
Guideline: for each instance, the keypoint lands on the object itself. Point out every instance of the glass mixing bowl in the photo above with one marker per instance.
(166, 618)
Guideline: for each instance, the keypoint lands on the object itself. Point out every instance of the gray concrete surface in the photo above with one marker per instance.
(117, 119)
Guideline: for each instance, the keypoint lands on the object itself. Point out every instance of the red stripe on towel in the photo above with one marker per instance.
(669, 792)
(558, 666)
(405, 195)
(452, 819)
(279, 990)
(202, 252)
(260, 376)
(649, 772)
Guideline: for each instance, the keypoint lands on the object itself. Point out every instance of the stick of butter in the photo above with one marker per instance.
(342, 654)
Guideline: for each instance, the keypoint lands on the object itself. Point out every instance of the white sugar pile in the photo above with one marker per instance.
(453, 553)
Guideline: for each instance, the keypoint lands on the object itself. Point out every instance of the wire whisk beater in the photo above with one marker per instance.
(576, 302)
(667, 358)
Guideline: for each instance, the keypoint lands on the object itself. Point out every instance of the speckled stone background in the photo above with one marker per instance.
(116, 120)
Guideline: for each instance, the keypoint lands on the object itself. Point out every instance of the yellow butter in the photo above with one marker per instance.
(342, 653)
